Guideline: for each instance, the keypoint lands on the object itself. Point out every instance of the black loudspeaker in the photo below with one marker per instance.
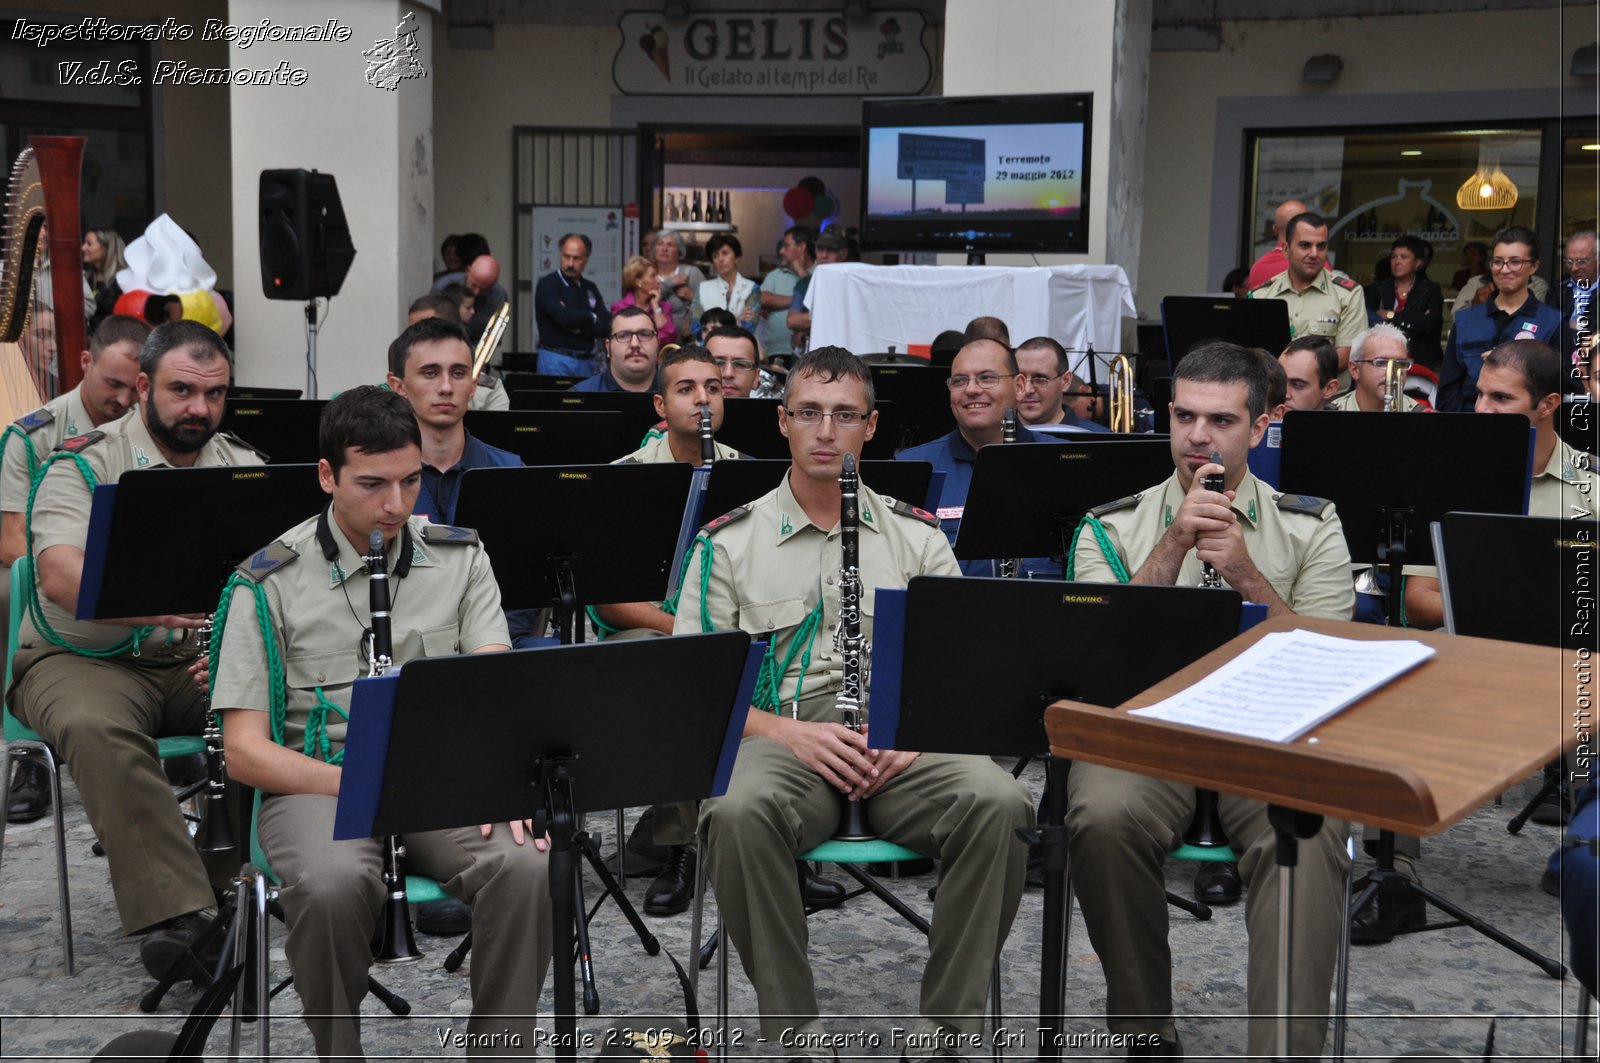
(305, 241)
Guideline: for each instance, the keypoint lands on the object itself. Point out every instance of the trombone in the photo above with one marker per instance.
(491, 339)
(1121, 404)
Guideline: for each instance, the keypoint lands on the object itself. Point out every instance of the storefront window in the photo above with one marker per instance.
(1580, 170)
(1373, 187)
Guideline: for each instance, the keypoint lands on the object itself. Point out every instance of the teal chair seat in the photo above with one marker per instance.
(420, 889)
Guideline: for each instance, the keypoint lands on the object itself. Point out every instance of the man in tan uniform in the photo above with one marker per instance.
(313, 585)
(1320, 303)
(1288, 553)
(1370, 357)
(110, 367)
(101, 692)
(773, 569)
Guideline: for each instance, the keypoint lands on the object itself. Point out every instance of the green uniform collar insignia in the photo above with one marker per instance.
(784, 527)
(335, 573)
(866, 511)
(417, 556)
(140, 458)
(1168, 522)
(1250, 511)
(72, 427)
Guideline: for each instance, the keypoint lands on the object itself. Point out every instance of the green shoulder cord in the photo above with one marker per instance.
(1118, 569)
(27, 448)
(36, 608)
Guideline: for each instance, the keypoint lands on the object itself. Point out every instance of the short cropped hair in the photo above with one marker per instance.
(368, 418)
(1327, 356)
(1316, 221)
(829, 364)
(632, 311)
(441, 306)
(1415, 244)
(735, 333)
(588, 244)
(202, 344)
(1539, 364)
(1220, 362)
(428, 330)
(1277, 378)
(688, 352)
(987, 328)
(803, 235)
(116, 329)
(717, 317)
(1045, 343)
(1518, 234)
(721, 240)
(1382, 330)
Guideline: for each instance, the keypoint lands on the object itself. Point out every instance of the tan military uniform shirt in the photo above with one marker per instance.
(1566, 486)
(60, 517)
(1329, 306)
(1303, 555)
(1346, 403)
(61, 418)
(447, 603)
(771, 567)
(491, 395)
(657, 450)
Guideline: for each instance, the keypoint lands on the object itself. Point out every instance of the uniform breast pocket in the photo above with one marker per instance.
(441, 641)
(762, 619)
(328, 670)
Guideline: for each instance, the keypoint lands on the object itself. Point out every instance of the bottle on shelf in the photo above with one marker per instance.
(671, 210)
(694, 211)
(683, 206)
(722, 210)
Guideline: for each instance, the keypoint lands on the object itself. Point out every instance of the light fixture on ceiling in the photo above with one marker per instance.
(1322, 68)
(1488, 188)
(1586, 61)
(1411, 152)
(1591, 147)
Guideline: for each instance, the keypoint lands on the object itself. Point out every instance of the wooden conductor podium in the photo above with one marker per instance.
(1415, 756)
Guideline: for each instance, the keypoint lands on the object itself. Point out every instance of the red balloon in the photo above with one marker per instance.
(132, 303)
(797, 203)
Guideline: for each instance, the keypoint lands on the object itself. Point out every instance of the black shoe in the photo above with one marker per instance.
(819, 892)
(1407, 911)
(1157, 1048)
(1218, 883)
(171, 946)
(673, 889)
(448, 918)
(30, 792)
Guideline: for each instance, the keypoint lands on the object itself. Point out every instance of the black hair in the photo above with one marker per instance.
(1539, 364)
(687, 352)
(721, 240)
(987, 328)
(1316, 221)
(1327, 356)
(1415, 244)
(201, 343)
(588, 244)
(829, 364)
(716, 318)
(804, 235)
(442, 306)
(116, 329)
(1220, 362)
(632, 310)
(369, 419)
(428, 330)
(1518, 234)
(735, 333)
(1045, 343)
(1277, 378)
(469, 246)
(1235, 278)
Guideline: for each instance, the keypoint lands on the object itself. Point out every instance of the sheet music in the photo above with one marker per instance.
(1287, 683)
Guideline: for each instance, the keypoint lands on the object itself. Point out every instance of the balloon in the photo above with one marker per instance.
(797, 202)
(813, 185)
(825, 206)
(132, 303)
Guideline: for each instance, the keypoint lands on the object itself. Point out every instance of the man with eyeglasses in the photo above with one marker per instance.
(1574, 298)
(1046, 376)
(1513, 313)
(771, 568)
(1370, 356)
(984, 380)
(735, 351)
(631, 355)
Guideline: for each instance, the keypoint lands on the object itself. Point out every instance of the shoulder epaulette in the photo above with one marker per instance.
(247, 445)
(36, 420)
(1310, 504)
(906, 509)
(1345, 282)
(711, 527)
(78, 444)
(486, 380)
(437, 534)
(1112, 507)
(267, 560)
(1253, 292)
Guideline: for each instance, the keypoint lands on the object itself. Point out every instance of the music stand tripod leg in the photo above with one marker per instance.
(1057, 909)
(1288, 827)
(557, 818)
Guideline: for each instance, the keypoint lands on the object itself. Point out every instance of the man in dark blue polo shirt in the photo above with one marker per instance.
(632, 354)
(569, 312)
(984, 380)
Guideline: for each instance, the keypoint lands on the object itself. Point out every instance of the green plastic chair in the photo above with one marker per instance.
(24, 743)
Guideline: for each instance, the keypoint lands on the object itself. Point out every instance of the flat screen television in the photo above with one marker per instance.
(976, 173)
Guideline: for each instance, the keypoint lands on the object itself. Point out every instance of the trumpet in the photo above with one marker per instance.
(490, 339)
(396, 942)
(215, 834)
(1121, 403)
(1394, 376)
(854, 649)
(708, 448)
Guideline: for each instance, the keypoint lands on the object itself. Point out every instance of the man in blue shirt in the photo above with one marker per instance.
(632, 353)
(983, 381)
(569, 312)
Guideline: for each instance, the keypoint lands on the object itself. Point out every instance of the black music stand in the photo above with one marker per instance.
(733, 483)
(1026, 499)
(750, 426)
(527, 381)
(545, 437)
(284, 429)
(1386, 506)
(255, 394)
(544, 761)
(637, 407)
(922, 401)
(569, 536)
(1189, 320)
(921, 704)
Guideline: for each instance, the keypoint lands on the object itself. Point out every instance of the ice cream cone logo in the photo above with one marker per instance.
(654, 44)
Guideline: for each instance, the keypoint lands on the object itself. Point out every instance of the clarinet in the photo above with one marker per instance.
(1008, 434)
(216, 826)
(708, 449)
(1209, 576)
(396, 944)
(854, 650)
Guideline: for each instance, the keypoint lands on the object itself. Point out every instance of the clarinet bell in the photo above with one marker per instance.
(397, 942)
(853, 823)
(1205, 828)
(216, 828)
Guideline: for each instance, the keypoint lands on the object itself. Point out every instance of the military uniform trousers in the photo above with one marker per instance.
(103, 717)
(333, 893)
(672, 824)
(964, 810)
(1120, 828)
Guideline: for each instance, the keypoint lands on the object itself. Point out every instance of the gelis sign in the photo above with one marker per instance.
(765, 53)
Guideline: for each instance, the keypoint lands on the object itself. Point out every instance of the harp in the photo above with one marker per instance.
(41, 278)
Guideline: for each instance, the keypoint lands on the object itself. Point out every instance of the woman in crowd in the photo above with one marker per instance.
(679, 281)
(641, 284)
(1410, 301)
(102, 258)
(729, 289)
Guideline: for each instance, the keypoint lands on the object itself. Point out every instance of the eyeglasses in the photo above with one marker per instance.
(986, 381)
(637, 334)
(1040, 380)
(1382, 363)
(1580, 261)
(1503, 264)
(810, 418)
(744, 365)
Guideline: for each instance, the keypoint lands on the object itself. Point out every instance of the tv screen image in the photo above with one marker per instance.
(976, 174)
